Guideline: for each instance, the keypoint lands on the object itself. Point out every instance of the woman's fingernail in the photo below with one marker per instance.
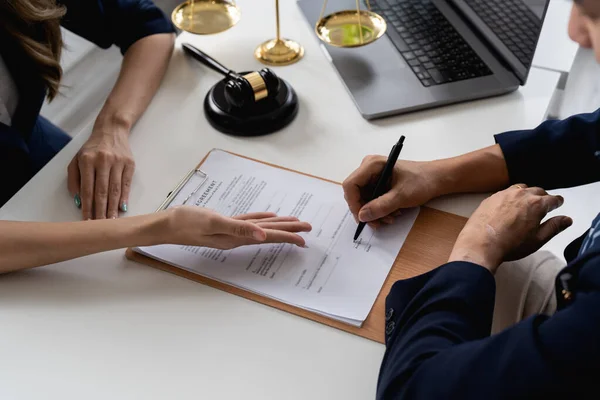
(123, 207)
(77, 200)
(257, 235)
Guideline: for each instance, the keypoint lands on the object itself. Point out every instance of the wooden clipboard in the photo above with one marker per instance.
(427, 246)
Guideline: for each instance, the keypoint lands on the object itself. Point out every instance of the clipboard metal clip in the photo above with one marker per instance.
(175, 192)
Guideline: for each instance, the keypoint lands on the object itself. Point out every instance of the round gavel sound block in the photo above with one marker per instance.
(262, 117)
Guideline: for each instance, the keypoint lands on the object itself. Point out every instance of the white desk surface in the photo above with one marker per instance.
(103, 327)
(555, 50)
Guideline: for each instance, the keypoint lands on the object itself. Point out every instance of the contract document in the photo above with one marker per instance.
(334, 276)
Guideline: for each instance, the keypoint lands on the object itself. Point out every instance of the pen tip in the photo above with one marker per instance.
(401, 141)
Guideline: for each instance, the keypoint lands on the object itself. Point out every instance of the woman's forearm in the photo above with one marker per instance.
(144, 65)
(31, 244)
(479, 171)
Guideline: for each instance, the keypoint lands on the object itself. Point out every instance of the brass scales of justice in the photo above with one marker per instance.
(347, 28)
(259, 103)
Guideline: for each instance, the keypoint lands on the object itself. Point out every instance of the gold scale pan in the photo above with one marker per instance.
(347, 28)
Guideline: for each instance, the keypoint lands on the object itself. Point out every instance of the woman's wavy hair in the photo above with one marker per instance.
(34, 25)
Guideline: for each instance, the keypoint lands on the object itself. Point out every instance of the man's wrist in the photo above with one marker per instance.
(442, 177)
(475, 255)
(480, 171)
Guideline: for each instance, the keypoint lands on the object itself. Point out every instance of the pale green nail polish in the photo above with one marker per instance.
(77, 200)
(123, 207)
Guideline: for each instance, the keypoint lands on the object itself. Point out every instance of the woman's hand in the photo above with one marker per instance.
(100, 174)
(507, 226)
(187, 225)
(412, 184)
(197, 226)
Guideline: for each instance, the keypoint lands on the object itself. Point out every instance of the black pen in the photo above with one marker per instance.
(385, 177)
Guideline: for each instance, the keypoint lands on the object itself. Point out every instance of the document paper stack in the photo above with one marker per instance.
(333, 276)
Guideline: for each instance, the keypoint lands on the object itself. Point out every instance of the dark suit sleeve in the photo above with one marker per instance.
(440, 348)
(120, 22)
(556, 154)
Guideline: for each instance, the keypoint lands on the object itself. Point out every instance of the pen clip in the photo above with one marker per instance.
(173, 194)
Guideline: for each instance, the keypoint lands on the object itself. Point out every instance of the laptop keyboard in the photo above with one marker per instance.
(431, 46)
(514, 24)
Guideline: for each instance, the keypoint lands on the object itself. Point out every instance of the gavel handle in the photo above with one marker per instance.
(207, 60)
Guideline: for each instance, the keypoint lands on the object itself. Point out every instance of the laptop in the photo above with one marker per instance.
(436, 52)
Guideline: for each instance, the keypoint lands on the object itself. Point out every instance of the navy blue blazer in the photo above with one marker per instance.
(103, 22)
(438, 329)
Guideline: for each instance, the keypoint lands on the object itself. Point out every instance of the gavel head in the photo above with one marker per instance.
(243, 91)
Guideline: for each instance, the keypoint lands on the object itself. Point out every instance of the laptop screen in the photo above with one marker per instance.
(512, 27)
